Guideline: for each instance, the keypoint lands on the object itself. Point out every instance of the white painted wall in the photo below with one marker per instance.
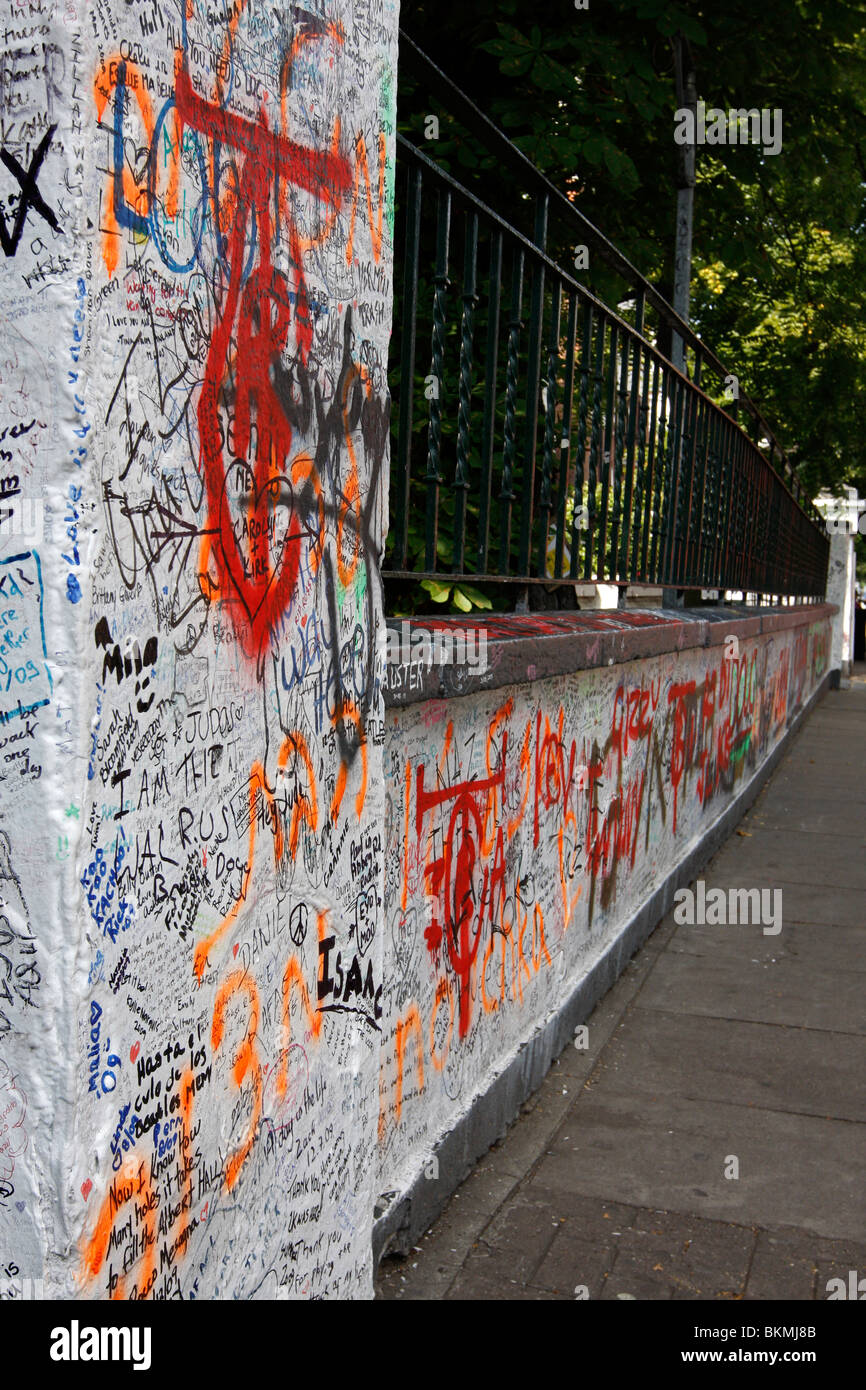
(194, 317)
(525, 826)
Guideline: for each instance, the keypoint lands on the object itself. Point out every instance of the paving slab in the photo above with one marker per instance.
(822, 815)
(782, 1267)
(834, 947)
(824, 783)
(792, 1069)
(770, 988)
(514, 1244)
(769, 857)
(705, 1258)
(669, 1152)
(573, 1264)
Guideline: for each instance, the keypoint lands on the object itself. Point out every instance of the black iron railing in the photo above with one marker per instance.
(544, 437)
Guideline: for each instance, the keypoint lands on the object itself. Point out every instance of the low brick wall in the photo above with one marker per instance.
(539, 817)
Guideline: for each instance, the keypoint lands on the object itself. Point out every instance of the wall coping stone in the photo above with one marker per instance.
(522, 648)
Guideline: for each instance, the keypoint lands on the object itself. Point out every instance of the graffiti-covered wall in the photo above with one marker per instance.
(196, 212)
(527, 824)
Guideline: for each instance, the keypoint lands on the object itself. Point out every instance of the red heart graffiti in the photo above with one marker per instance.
(258, 561)
(235, 949)
(86, 1188)
(134, 1051)
(260, 546)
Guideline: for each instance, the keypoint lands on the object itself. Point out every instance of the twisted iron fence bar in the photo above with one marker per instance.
(490, 373)
(470, 298)
(437, 370)
(545, 500)
(652, 481)
(580, 459)
(515, 325)
(564, 463)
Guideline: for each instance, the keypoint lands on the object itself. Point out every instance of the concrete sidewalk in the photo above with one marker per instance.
(717, 1043)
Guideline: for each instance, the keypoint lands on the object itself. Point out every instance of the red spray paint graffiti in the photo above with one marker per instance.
(258, 556)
